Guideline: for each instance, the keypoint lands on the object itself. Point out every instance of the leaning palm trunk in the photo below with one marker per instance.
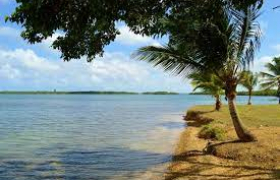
(242, 133)
(278, 92)
(250, 97)
(218, 104)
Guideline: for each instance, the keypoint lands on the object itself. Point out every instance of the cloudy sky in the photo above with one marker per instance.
(38, 67)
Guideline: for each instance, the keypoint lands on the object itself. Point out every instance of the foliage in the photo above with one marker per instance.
(222, 43)
(272, 79)
(87, 26)
(248, 80)
(160, 93)
(208, 83)
(67, 92)
(210, 131)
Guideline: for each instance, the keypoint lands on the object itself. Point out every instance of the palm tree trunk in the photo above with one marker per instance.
(250, 97)
(218, 103)
(278, 92)
(242, 133)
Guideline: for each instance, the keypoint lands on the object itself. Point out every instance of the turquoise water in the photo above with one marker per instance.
(92, 136)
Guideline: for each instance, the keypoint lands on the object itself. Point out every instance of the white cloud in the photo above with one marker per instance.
(127, 37)
(25, 70)
(27, 59)
(259, 64)
(8, 72)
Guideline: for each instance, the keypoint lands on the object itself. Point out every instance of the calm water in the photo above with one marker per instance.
(91, 136)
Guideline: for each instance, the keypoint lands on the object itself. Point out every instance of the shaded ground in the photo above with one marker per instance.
(197, 158)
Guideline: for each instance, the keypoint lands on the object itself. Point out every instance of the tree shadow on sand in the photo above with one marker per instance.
(196, 162)
(191, 165)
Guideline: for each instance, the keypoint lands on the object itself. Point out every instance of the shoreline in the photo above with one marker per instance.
(191, 160)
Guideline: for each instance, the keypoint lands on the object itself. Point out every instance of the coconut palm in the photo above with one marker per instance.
(249, 81)
(223, 44)
(272, 79)
(210, 84)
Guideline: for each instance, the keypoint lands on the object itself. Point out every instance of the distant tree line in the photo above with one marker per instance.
(269, 82)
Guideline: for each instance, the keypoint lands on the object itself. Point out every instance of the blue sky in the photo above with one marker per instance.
(38, 67)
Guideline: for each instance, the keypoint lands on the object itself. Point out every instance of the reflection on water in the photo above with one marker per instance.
(81, 164)
(91, 136)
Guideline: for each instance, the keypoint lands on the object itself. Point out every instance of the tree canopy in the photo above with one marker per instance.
(220, 42)
(272, 77)
(89, 25)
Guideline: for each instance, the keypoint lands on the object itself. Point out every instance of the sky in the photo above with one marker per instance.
(38, 67)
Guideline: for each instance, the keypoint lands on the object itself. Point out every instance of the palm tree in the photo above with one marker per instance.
(222, 44)
(272, 79)
(208, 83)
(249, 81)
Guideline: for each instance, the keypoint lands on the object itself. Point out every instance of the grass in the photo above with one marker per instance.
(252, 116)
(212, 132)
(197, 158)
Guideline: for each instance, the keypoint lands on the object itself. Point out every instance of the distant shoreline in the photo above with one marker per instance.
(87, 92)
(243, 93)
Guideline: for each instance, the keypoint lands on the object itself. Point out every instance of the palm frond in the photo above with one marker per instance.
(273, 68)
(248, 79)
(265, 74)
(269, 85)
(207, 83)
(272, 79)
(247, 34)
(170, 59)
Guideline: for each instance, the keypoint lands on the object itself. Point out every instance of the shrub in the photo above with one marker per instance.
(212, 132)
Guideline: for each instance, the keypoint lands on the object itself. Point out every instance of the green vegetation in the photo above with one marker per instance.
(222, 43)
(160, 93)
(253, 116)
(66, 92)
(272, 79)
(94, 24)
(208, 83)
(199, 158)
(249, 81)
(212, 132)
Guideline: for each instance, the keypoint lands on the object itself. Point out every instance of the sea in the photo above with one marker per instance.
(78, 137)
